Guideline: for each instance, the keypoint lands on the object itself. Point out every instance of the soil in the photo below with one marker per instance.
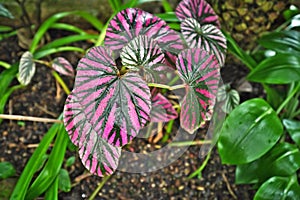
(42, 98)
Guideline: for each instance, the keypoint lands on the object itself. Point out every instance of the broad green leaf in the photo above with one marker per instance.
(279, 188)
(282, 42)
(26, 68)
(249, 131)
(293, 128)
(5, 13)
(279, 69)
(64, 182)
(282, 160)
(70, 161)
(6, 170)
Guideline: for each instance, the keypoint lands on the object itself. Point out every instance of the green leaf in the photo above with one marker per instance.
(52, 167)
(70, 161)
(293, 128)
(64, 182)
(52, 191)
(281, 188)
(6, 170)
(34, 162)
(5, 13)
(249, 131)
(282, 42)
(282, 160)
(274, 96)
(26, 68)
(279, 69)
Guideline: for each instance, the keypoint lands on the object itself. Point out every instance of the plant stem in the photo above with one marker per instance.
(61, 82)
(286, 101)
(101, 184)
(189, 143)
(28, 118)
(5, 65)
(200, 169)
(175, 87)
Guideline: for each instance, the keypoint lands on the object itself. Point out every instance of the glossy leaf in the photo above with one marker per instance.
(26, 68)
(115, 105)
(208, 37)
(282, 42)
(6, 170)
(200, 72)
(199, 10)
(252, 124)
(162, 110)
(282, 160)
(293, 128)
(279, 69)
(96, 154)
(131, 22)
(285, 188)
(63, 66)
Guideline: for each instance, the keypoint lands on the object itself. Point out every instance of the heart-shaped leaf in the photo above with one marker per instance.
(26, 68)
(132, 22)
(6, 170)
(252, 124)
(144, 54)
(282, 160)
(200, 10)
(63, 66)
(116, 105)
(208, 37)
(96, 154)
(201, 73)
(162, 110)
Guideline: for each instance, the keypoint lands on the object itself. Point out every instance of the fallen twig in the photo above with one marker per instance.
(29, 118)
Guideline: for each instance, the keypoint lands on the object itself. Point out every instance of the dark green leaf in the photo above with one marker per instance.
(281, 188)
(6, 170)
(274, 96)
(26, 68)
(293, 128)
(5, 13)
(249, 131)
(279, 69)
(282, 160)
(64, 182)
(282, 42)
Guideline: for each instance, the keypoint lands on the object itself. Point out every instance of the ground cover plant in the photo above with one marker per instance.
(262, 134)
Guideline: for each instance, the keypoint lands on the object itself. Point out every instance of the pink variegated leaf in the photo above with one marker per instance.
(201, 73)
(96, 154)
(63, 66)
(208, 37)
(144, 55)
(162, 110)
(199, 10)
(132, 22)
(116, 105)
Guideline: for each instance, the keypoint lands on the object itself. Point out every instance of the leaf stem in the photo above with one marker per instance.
(189, 143)
(175, 87)
(100, 185)
(200, 169)
(28, 118)
(61, 82)
(286, 101)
